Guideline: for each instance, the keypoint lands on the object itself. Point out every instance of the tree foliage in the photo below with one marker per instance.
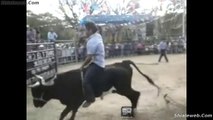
(44, 22)
(71, 15)
(66, 6)
(171, 24)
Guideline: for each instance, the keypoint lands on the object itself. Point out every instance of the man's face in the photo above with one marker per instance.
(88, 32)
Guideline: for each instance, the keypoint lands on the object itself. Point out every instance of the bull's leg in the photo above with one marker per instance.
(134, 98)
(131, 94)
(65, 112)
(73, 114)
(124, 88)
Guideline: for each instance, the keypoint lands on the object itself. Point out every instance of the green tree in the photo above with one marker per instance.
(171, 24)
(44, 22)
(70, 15)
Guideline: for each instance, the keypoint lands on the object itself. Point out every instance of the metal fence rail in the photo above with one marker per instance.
(41, 60)
(66, 52)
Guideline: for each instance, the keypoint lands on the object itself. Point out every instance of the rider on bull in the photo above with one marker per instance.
(95, 61)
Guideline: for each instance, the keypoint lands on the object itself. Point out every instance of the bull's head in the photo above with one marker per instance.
(40, 90)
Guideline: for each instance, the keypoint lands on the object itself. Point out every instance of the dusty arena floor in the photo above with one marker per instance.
(171, 77)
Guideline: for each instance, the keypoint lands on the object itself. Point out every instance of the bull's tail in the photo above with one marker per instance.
(147, 77)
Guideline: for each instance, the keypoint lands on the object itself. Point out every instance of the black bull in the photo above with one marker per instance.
(67, 87)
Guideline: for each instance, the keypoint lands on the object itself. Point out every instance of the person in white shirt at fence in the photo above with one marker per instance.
(52, 36)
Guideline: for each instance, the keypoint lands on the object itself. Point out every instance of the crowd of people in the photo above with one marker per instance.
(137, 48)
(34, 35)
(112, 50)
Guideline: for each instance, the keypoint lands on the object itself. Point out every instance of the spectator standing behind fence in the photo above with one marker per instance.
(163, 47)
(52, 36)
(100, 30)
(81, 52)
(180, 46)
(38, 36)
(28, 34)
(31, 35)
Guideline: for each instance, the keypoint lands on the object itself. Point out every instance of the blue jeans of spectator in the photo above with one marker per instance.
(163, 54)
(51, 40)
(92, 74)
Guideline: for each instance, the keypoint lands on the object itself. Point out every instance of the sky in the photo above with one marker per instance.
(44, 6)
(51, 6)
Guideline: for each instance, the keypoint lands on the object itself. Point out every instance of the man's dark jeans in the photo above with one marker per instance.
(163, 53)
(92, 74)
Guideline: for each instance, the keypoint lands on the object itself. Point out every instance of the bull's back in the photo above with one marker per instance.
(117, 76)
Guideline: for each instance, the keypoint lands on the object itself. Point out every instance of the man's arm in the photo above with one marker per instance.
(56, 36)
(87, 61)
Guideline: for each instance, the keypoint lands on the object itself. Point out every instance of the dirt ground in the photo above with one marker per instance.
(171, 77)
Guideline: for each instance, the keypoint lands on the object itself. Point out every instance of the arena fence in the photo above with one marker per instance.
(41, 60)
(66, 52)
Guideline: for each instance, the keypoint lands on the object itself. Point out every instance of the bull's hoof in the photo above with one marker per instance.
(134, 112)
(114, 91)
(87, 104)
(102, 97)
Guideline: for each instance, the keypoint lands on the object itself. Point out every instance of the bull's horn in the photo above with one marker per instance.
(40, 78)
(50, 83)
(34, 85)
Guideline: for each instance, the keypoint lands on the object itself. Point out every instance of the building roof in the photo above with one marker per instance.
(116, 19)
